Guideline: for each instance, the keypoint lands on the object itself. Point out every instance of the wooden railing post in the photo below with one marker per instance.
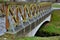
(7, 13)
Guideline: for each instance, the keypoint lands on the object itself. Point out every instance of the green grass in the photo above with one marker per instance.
(54, 25)
(39, 38)
(55, 5)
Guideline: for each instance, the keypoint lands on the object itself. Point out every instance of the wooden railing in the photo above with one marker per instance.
(23, 16)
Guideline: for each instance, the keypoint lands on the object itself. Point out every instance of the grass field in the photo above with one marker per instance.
(56, 5)
(39, 38)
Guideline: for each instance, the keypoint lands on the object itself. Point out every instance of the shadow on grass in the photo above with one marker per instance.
(41, 33)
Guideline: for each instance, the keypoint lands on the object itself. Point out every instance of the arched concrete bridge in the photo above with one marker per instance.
(25, 19)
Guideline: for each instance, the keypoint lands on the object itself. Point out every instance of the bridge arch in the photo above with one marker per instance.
(33, 32)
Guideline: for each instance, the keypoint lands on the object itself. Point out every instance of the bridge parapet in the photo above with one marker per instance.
(22, 17)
